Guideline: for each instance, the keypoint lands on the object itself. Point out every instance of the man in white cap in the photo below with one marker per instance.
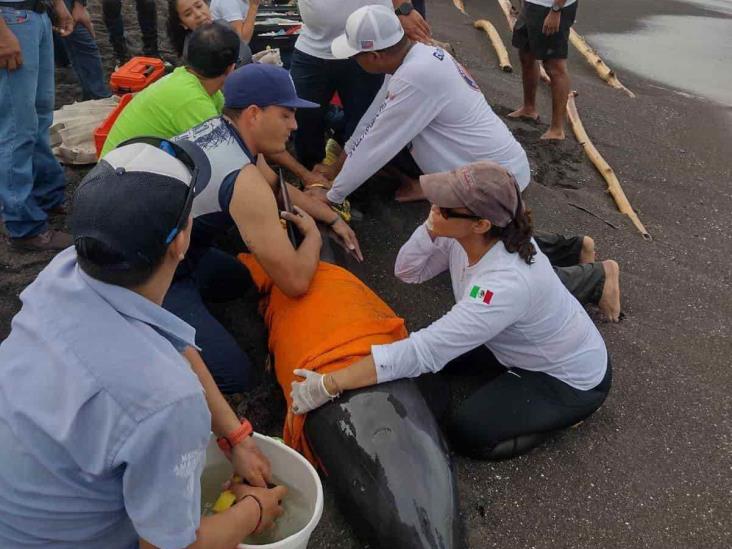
(428, 99)
(431, 104)
(317, 73)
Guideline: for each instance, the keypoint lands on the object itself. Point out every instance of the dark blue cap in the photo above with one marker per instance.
(262, 85)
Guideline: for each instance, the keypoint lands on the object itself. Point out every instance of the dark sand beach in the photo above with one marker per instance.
(652, 468)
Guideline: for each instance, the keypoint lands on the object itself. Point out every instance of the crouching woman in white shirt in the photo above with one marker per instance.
(509, 299)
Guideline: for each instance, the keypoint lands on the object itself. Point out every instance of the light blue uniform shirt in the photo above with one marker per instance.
(103, 424)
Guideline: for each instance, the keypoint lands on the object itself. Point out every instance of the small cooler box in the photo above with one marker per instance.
(137, 74)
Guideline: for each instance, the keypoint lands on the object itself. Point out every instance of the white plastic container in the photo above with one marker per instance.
(289, 468)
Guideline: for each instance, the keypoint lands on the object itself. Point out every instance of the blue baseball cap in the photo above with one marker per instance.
(262, 85)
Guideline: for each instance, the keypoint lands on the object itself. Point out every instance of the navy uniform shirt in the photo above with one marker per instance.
(103, 424)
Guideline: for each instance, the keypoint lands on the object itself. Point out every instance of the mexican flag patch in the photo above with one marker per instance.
(476, 292)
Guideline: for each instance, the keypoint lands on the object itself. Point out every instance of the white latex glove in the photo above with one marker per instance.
(309, 394)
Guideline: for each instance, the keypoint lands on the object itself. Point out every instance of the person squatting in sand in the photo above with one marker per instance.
(109, 450)
(187, 96)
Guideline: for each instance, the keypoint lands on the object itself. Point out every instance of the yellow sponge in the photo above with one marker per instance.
(226, 500)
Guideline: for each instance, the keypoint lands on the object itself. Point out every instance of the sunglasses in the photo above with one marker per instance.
(181, 152)
(447, 213)
(178, 152)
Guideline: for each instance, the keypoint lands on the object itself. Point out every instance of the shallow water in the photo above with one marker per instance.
(693, 54)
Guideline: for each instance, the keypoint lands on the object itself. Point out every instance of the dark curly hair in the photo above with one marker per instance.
(176, 32)
(516, 236)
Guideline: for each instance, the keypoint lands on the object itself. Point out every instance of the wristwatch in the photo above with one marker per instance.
(228, 442)
(404, 9)
(556, 8)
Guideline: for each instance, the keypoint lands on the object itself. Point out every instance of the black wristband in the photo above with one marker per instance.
(261, 508)
(404, 9)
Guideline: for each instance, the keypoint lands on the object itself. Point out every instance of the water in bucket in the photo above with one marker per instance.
(297, 510)
(297, 513)
(303, 504)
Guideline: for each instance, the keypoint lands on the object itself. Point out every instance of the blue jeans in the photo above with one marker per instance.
(214, 276)
(81, 50)
(316, 80)
(31, 179)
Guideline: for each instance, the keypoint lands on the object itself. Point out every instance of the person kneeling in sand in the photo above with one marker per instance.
(557, 369)
(104, 424)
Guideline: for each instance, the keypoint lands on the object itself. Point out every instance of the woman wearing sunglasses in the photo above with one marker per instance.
(555, 367)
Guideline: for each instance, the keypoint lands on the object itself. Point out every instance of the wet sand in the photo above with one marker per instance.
(652, 467)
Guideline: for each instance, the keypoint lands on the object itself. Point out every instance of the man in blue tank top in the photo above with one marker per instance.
(258, 116)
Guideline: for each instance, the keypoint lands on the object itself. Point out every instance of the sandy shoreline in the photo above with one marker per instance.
(651, 468)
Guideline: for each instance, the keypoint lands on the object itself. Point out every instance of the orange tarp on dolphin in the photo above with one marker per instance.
(333, 325)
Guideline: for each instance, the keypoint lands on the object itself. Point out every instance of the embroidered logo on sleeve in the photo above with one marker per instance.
(188, 466)
(481, 294)
(469, 80)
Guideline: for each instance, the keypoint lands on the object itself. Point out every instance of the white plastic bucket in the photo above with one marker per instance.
(290, 469)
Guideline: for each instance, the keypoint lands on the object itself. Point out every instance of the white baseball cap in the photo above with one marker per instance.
(370, 28)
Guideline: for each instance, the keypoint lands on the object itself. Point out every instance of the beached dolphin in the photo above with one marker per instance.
(382, 453)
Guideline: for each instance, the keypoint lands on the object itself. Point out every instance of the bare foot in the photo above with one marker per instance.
(553, 135)
(587, 254)
(610, 301)
(409, 191)
(523, 112)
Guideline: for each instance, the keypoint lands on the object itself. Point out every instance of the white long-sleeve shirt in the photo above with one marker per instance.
(521, 312)
(325, 20)
(432, 102)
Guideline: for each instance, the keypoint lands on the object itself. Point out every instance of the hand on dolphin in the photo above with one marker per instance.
(345, 233)
(251, 464)
(309, 394)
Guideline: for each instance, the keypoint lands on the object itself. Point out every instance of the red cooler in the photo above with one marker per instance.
(137, 74)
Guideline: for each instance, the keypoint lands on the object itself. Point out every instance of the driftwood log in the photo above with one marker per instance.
(613, 185)
(592, 57)
(510, 13)
(495, 38)
(460, 5)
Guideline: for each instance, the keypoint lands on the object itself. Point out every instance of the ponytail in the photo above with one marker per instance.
(516, 236)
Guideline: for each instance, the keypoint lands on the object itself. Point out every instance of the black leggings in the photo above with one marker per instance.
(519, 409)
(147, 16)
